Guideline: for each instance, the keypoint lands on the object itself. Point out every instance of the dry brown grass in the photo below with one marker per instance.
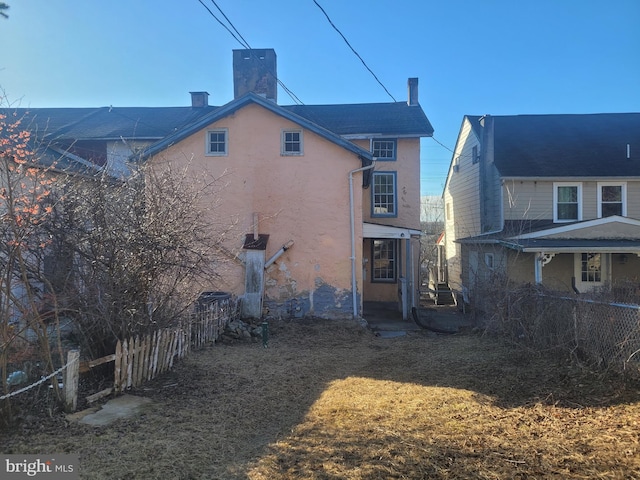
(329, 401)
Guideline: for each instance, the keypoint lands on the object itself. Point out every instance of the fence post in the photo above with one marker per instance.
(71, 380)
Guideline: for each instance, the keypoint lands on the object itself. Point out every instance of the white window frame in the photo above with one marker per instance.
(374, 193)
(392, 158)
(623, 192)
(208, 151)
(489, 261)
(283, 143)
(556, 185)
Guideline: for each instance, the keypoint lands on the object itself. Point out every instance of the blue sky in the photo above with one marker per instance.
(500, 57)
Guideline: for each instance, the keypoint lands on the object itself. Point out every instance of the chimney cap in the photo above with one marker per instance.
(199, 99)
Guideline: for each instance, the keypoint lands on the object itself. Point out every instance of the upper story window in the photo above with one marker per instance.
(612, 199)
(384, 148)
(217, 142)
(567, 202)
(384, 195)
(475, 158)
(292, 142)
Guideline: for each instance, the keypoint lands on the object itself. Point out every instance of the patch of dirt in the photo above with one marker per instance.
(330, 400)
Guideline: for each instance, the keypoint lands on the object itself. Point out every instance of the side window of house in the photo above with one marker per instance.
(383, 260)
(291, 142)
(474, 155)
(384, 148)
(217, 144)
(383, 191)
(489, 260)
(612, 199)
(567, 202)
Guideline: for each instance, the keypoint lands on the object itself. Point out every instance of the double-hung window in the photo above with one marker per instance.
(383, 260)
(217, 142)
(291, 142)
(384, 148)
(612, 199)
(384, 201)
(567, 202)
(591, 267)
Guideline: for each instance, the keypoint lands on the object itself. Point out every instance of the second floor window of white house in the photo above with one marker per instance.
(566, 199)
(611, 199)
(217, 142)
(383, 194)
(291, 142)
(384, 148)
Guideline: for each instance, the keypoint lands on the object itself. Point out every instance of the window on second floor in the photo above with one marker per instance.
(292, 142)
(384, 198)
(567, 202)
(612, 199)
(217, 142)
(384, 148)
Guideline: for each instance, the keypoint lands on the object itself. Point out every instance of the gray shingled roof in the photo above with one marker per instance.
(392, 119)
(108, 123)
(588, 145)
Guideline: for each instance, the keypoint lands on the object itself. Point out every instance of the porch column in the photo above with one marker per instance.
(541, 259)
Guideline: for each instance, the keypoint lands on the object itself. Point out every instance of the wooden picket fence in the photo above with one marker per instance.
(142, 358)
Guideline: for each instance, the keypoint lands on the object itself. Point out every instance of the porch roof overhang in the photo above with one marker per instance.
(549, 245)
(373, 230)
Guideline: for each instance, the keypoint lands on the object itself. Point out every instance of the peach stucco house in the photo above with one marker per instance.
(322, 202)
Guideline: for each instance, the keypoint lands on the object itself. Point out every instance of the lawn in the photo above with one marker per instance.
(327, 400)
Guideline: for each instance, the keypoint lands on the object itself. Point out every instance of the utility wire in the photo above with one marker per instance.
(246, 45)
(353, 50)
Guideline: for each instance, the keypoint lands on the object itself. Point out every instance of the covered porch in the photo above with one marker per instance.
(390, 268)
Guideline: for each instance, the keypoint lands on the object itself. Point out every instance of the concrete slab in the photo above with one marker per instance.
(390, 334)
(124, 406)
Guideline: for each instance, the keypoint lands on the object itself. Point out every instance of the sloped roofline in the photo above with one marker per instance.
(578, 226)
(473, 121)
(239, 103)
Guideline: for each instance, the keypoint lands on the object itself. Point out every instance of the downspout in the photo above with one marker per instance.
(353, 237)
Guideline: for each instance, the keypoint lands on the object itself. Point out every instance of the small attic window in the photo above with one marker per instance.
(217, 142)
(291, 142)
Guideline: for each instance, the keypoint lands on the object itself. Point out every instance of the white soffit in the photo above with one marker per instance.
(372, 230)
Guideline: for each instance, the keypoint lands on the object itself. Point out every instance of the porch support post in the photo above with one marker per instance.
(538, 267)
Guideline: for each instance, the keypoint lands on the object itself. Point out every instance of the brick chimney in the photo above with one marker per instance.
(255, 71)
(412, 87)
(199, 99)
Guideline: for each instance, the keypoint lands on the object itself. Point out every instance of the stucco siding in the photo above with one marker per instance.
(304, 198)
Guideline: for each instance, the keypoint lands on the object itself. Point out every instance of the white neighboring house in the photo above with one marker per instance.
(545, 199)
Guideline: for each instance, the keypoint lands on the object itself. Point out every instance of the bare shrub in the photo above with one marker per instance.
(136, 250)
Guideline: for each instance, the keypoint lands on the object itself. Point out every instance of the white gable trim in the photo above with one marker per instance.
(580, 225)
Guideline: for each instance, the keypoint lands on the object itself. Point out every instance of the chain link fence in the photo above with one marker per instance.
(601, 333)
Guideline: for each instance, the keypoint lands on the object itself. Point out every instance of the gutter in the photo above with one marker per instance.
(354, 288)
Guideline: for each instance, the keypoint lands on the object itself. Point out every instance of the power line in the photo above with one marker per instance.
(246, 45)
(353, 50)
